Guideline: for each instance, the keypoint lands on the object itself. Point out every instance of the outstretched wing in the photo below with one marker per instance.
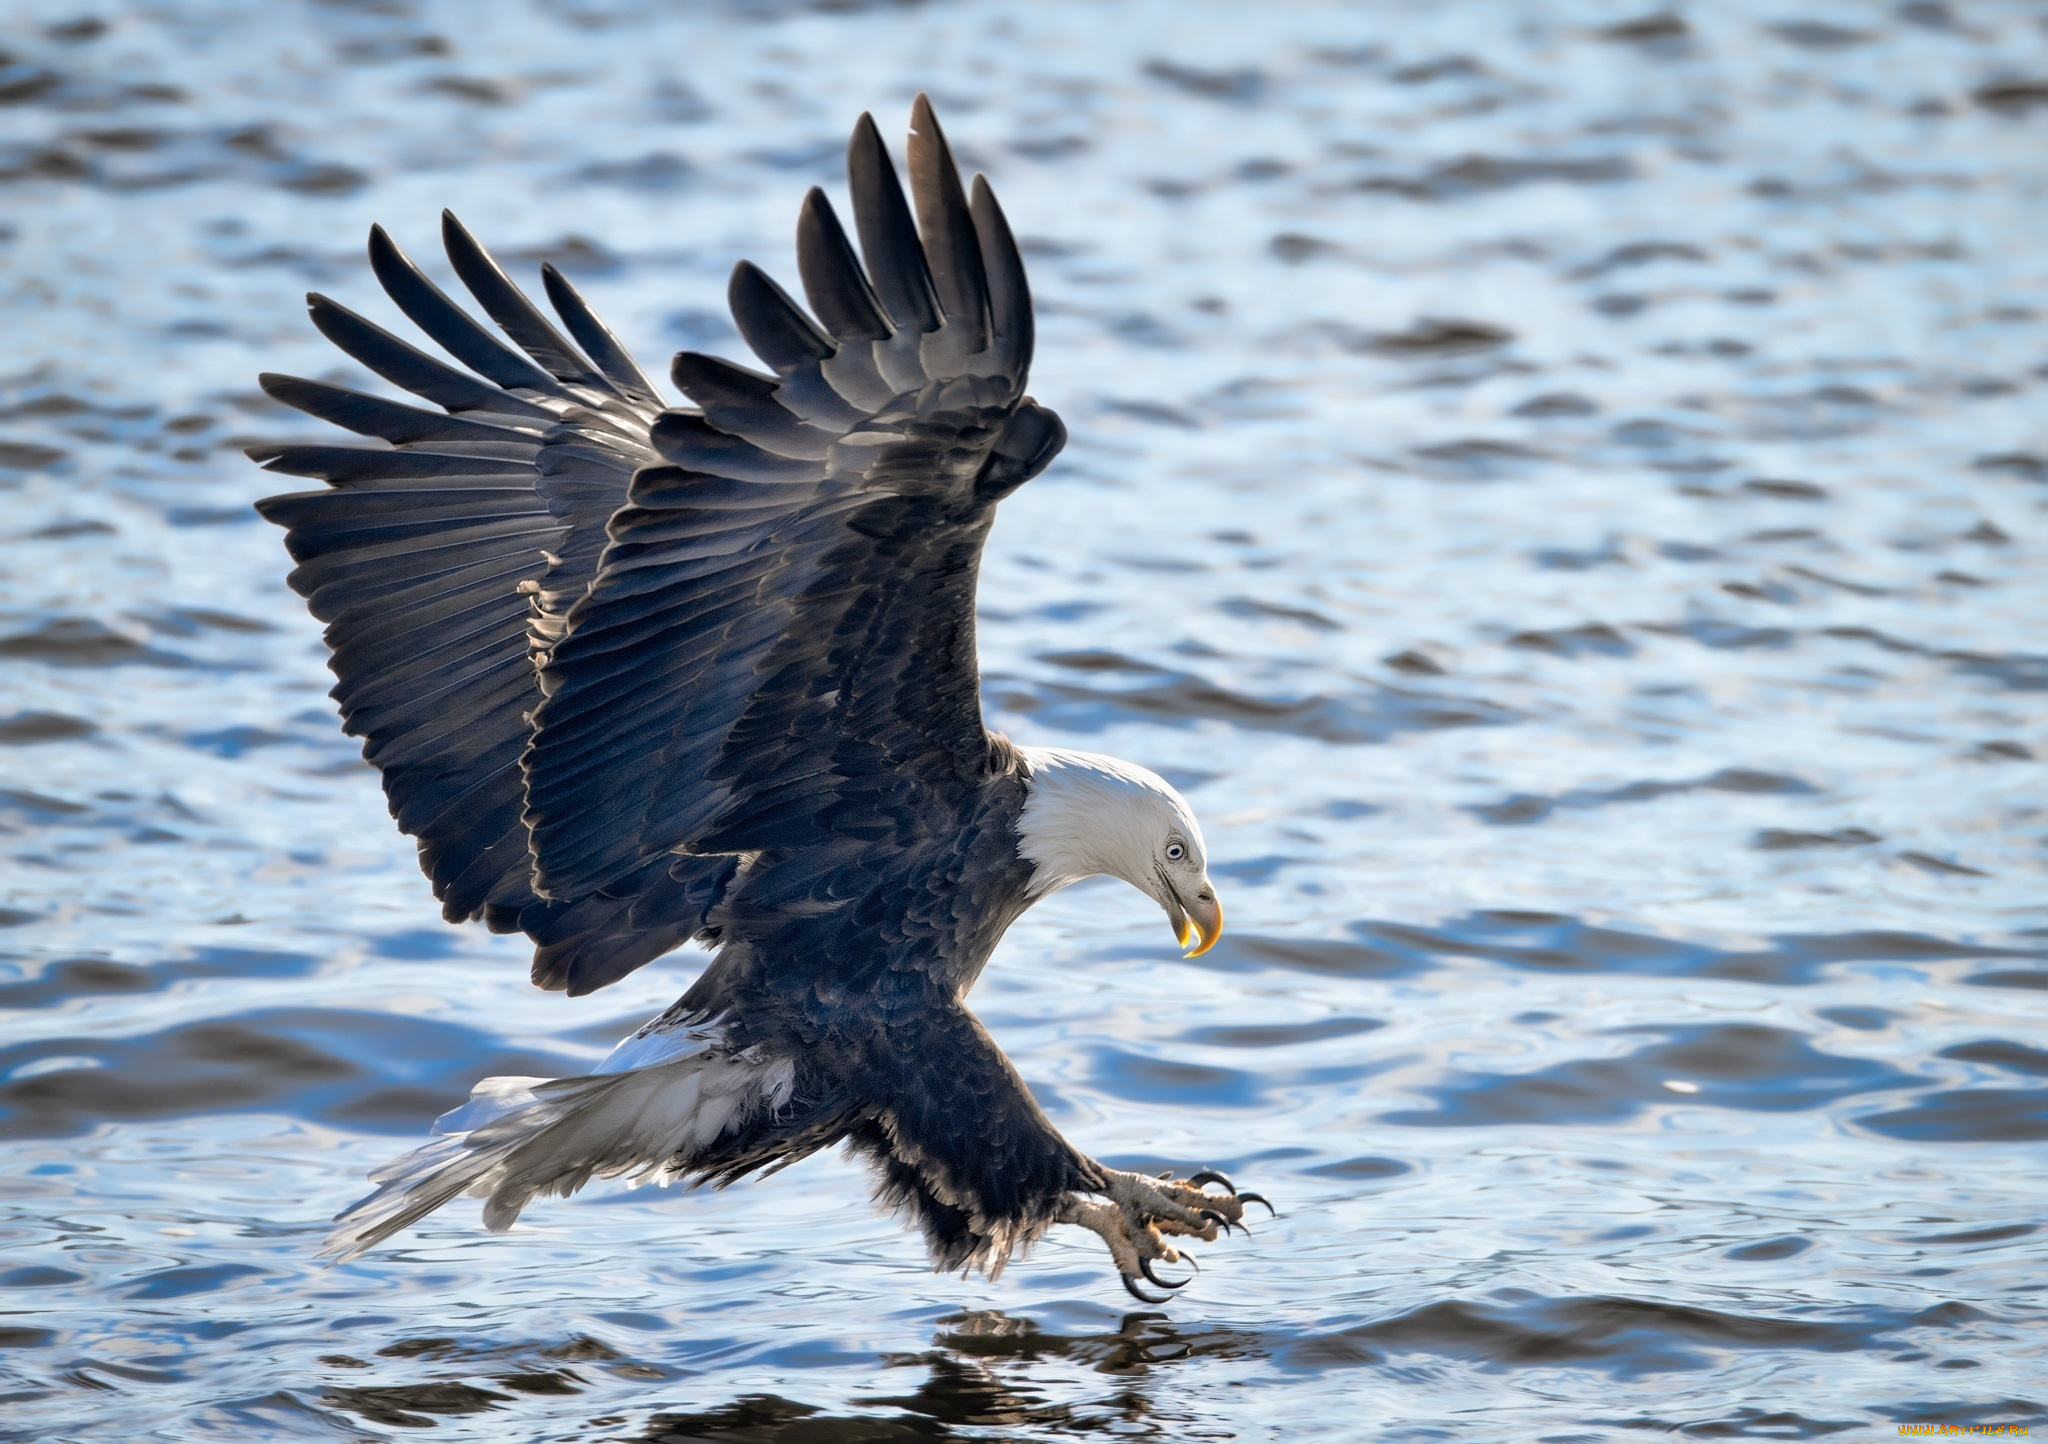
(592, 644)
(778, 644)
(431, 558)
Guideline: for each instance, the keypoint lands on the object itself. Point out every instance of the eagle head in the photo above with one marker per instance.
(1085, 814)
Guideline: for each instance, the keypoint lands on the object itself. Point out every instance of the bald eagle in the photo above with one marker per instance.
(637, 674)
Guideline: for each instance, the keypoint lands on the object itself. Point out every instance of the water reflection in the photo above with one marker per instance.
(984, 1368)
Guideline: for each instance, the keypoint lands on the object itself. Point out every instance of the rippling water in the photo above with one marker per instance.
(1561, 485)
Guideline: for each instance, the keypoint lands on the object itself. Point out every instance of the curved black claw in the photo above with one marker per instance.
(1210, 1175)
(1131, 1288)
(1145, 1268)
(1221, 1222)
(1255, 1198)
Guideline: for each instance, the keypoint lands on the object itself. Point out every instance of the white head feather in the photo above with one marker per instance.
(1085, 814)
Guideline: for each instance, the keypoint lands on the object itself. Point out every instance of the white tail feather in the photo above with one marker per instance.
(521, 1137)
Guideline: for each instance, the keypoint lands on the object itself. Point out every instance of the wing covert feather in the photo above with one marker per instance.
(778, 645)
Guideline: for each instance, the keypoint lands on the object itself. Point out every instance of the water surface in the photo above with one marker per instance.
(1563, 488)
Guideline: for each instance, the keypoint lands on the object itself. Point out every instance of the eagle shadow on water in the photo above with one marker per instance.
(637, 674)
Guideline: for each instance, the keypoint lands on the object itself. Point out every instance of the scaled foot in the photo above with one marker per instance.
(1142, 1212)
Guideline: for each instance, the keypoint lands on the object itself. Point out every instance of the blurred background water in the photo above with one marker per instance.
(1560, 485)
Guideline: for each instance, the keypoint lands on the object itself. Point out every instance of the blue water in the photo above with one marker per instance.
(1565, 491)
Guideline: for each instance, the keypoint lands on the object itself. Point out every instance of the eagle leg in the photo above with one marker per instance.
(1106, 1221)
(1140, 1215)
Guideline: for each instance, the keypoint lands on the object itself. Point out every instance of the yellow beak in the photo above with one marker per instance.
(1201, 924)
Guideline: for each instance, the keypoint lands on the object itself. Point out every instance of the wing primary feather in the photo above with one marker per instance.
(723, 380)
(888, 239)
(834, 283)
(800, 353)
(369, 415)
(773, 326)
(950, 244)
(596, 338)
(520, 319)
(1009, 293)
(744, 403)
(340, 465)
(453, 328)
(403, 364)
